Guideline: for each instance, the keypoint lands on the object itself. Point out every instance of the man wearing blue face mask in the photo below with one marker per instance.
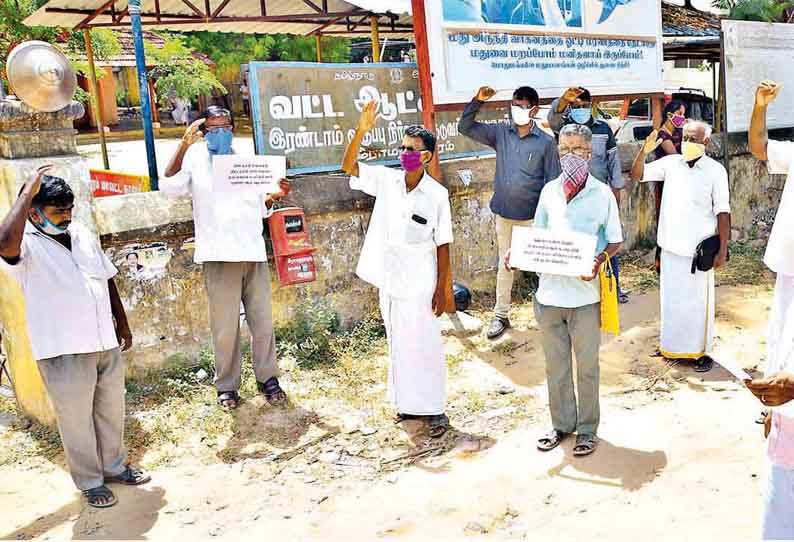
(230, 245)
(576, 107)
(77, 329)
(526, 159)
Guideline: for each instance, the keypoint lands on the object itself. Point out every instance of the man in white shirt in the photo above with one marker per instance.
(695, 207)
(568, 309)
(776, 391)
(230, 245)
(406, 256)
(71, 303)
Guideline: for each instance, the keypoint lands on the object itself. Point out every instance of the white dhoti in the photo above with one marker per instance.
(417, 366)
(687, 302)
(779, 500)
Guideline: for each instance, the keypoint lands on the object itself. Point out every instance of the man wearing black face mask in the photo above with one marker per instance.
(71, 303)
(230, 245)
(576, 107)
(526, 160)
(406, 256)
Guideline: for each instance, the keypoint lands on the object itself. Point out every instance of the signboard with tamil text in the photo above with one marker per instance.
(610, 47)
(309, 112)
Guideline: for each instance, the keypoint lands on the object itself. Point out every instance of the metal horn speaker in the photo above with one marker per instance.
(41, 76)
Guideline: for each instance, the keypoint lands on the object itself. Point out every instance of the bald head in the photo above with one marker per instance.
(697, 131)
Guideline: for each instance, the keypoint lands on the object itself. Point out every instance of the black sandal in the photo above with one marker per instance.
(585, 445)
(130, 477)
(400, 418)
(100, 497)
(438, 425)
(704, 364)
(551, 440)
(272, 392)
(228, 399)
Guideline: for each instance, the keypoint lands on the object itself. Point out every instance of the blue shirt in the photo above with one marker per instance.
(593, 211)
(523, 164)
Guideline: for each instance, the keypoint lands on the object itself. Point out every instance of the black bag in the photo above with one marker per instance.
(706, 253)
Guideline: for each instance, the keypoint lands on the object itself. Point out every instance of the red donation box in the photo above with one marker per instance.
(292, 247)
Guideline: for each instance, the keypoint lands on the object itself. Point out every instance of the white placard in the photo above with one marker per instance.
(555, 253)
(608, 46)
(256, 174)
(753, 52)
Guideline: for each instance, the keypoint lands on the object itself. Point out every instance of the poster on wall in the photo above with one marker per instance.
(611, 47)
(308, 112)
(754, 52)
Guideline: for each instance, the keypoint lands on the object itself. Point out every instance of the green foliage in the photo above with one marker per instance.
(768, 11)
(229, 51)
(308, 335)
(178, 72)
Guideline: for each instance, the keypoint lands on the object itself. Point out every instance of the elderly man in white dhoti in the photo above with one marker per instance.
(694, 220)
(406, 256)
(777, 389)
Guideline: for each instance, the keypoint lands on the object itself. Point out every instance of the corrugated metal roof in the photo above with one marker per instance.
(291, 16)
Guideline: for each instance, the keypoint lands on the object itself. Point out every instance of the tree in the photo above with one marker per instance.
(768, 11)
(178, 72)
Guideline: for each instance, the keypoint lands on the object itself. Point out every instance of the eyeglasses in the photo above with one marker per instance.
(581, 152)
(216, 129)
(403, 148)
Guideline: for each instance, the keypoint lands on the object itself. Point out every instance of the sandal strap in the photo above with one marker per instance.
(271, 387)
(101, 491)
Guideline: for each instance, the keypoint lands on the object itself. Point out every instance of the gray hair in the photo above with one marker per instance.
(692, 125)
(577, 130)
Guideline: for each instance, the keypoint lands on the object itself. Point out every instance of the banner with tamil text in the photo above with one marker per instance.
(611, 47)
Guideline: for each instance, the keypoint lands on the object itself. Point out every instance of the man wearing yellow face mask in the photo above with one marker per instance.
(695, 217)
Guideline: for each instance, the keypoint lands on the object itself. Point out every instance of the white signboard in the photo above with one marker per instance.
(256, 174)
(608, 46)
(543, 251)
(754, 52)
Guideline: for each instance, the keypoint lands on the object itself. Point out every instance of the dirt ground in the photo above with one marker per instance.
(679, 456)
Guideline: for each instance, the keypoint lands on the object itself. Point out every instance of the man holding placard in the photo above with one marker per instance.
(229, 206)
(526, 159)
(581, 220)
(694, 230)
(777, 389)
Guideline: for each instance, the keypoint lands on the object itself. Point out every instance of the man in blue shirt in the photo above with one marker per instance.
(526, 159)
(576, 107)
(568, 309)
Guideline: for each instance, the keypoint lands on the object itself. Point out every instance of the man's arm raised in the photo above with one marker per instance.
(365, 123)
(759, 138)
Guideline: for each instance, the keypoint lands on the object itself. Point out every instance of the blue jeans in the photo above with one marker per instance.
(616, 270)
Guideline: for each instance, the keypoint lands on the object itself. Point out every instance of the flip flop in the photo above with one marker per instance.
(272, 392)
(438, 425)
(229, 399)
(130, 477)
(704, 364)
(100, 497)
(551, 440)
(585, 445)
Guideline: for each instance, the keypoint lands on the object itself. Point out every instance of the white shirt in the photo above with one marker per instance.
(692, 199)
(399, 252)
(228, 225)
(780, 248)
(67, 301)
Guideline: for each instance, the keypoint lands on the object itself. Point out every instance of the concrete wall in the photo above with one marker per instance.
(168, 313)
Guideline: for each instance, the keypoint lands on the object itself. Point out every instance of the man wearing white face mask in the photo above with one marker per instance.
(526, 160)
(695, 214)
